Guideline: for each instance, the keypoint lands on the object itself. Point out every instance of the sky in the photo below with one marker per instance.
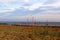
(28, 10)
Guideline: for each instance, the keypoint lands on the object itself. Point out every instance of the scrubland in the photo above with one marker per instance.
(26, 32)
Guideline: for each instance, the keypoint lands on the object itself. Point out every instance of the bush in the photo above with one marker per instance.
(58, 34)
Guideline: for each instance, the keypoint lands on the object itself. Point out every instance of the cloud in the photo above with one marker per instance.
(8, 0)
(8, 5)
(26, 1)
(40, 16)
(4, 15)
(6, 10)
(23, 9)
(34, 6)
(54, 4)
(43, 16)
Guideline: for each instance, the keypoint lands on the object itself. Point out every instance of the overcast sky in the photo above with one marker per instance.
(41, 10)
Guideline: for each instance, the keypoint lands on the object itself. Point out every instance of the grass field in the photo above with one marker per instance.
(13, 32)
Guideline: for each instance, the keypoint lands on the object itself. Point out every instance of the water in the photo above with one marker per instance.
(36, 23)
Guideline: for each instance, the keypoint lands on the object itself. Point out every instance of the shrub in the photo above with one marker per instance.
(58, 34)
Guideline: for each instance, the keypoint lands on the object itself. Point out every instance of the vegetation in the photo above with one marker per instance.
(22, 32)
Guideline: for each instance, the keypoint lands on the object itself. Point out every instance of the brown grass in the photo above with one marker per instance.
(25, 32)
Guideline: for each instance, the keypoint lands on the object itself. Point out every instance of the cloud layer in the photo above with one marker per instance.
(26, 9)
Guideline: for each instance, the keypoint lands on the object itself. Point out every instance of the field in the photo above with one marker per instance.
(26, 32)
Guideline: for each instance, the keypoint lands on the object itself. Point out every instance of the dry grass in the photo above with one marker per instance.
(8, 32)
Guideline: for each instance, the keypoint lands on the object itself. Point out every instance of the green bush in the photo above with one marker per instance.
(44, 33)
(58, 34)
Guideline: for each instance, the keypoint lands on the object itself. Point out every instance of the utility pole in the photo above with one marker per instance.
(32, 20)
(27, 21)
(47, 23)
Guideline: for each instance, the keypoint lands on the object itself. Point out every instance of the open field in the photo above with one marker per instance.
(15, 32)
